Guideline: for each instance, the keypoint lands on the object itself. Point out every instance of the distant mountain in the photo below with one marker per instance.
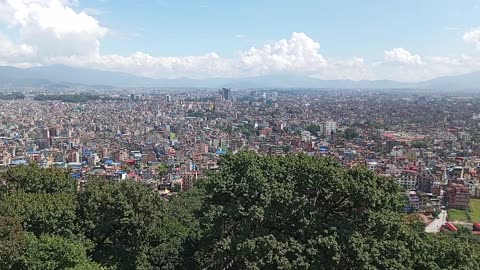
(469, 81)
(58, 76)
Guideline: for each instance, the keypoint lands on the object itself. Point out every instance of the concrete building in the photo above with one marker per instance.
(329, 127)
(226, 94)
(458, 196)
(425, 181)
(408, 179)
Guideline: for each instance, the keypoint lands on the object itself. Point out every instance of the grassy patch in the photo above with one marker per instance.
(475, 209)
(457, 215)
(461, 215)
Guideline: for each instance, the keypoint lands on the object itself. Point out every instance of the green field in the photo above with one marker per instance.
(461, 215)
(475, 209)
(457, 215)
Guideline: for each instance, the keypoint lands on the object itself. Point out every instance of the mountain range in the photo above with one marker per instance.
(60, 76)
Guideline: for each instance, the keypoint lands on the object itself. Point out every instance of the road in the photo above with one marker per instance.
(437, 223)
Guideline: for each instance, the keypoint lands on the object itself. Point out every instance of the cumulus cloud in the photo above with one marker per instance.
(140, 63)
(52, 28)
(10, 51)
(473, 37)
(51, 31)
(299, 53)
(400, 55)
(55, 32)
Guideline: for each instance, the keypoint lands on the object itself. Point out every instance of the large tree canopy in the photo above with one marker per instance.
(32, 179)
(133, 227)
(300, 212)
(255, 212)
(55, 253)
(43, 213)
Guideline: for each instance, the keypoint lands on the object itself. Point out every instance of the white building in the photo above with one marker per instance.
(329, 127)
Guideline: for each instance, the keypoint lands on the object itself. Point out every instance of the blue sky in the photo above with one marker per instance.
(343, 28)
(402, 40)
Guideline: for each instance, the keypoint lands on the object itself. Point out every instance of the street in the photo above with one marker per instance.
(437, 223)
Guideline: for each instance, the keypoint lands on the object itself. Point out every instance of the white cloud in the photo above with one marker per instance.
(208, 65)
(400, 55)
(52, 31)
(52, 28)
(298, 54)
(473, 37)
(241, 36)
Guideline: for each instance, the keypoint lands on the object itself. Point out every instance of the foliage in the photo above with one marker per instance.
(119, 219)
(31, 179)
(255, 212)
(162, 169)
(201, 99)
(313, 129)
(299, 212)
(350, 134)
(12, 241)
(247, 129)
(42, 213)
(55, 252)
(131, 226)
(11, 96)
(419, 144)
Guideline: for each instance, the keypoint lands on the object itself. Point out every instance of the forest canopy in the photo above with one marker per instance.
(255, 212)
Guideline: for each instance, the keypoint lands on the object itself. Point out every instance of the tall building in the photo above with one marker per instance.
(272, 96)
(458, 196)
(46, 133)
(168, 98)
(408, 179)
(226, 94)
(329, 128)
(425, 181)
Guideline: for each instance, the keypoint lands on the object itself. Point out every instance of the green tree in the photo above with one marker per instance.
(119, 218)
(133, 228)
(33, 179)
(162, 169)
(300, 212)
(174, 241)
(55, 252)
(419, 144)
(12, 241)
(42, 213)
(313, 129)
(350, 134)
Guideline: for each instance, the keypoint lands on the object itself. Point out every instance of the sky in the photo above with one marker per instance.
(407, 40)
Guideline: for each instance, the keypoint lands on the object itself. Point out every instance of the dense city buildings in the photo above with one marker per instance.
(169, 139)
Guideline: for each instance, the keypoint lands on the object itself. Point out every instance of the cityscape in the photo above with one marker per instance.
(225, 135)
(169, 139)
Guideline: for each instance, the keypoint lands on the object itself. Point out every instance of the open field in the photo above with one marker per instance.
(461, 215)
(457, 215)
(475, 209)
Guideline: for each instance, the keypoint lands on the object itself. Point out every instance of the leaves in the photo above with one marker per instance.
(55, 252)
(32, 179)
(255, 212)
(300, 212)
